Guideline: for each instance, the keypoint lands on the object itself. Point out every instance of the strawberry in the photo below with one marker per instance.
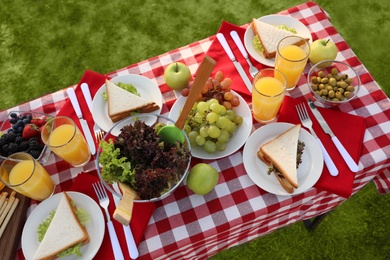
(35, 121)
(43, 120)
(30, 130)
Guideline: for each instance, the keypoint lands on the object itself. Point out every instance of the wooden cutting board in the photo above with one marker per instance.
(10, 240)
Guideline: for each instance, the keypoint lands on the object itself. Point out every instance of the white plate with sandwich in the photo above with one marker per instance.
(236, 142)
(309, 170)
(274, 35)
(57, 235)
(124, 101)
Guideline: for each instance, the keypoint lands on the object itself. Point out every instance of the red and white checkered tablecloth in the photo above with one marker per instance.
(188, 226)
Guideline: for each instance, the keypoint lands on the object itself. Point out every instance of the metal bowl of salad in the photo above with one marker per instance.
(132, 153)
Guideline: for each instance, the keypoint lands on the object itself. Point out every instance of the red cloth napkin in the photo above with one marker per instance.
(226, 65)
(94, 81)
(350, 131)
(141, 215)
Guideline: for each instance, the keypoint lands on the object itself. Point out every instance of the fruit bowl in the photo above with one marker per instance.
(140, 147)
(20, 140)
(336, 84)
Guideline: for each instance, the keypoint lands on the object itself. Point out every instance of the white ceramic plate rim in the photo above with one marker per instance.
(95, 225)
(146, 88)
(239, 138)
(301, 29)
(308, 172)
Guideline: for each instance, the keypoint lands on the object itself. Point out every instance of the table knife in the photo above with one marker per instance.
(84, 124)
(238, 66)
(344, 153)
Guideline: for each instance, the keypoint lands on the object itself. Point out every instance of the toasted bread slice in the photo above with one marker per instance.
(270, 36)
(282, 153)
(64, 231)
(122, 102)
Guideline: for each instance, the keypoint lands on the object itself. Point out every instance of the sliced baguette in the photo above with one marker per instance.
(282, 153)
(270, 36)
(122, 102)
(64, 231)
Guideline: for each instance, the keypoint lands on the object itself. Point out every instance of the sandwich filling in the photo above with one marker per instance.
(273, 169)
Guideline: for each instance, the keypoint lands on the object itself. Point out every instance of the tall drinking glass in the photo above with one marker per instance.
(25, 175)
(64, 138)
(268, 91)
(291, 57)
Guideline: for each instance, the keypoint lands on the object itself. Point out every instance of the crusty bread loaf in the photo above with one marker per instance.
(270, 36)
(122, 102)
(64, 231)
(282, 153)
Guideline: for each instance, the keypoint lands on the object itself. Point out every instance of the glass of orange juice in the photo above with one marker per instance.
(63, 137)
(268, 90)
(291, 57)
(25, 175)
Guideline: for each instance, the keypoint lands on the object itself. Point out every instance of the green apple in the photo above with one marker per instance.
(321, 50)
(202, 178)
(177, 75)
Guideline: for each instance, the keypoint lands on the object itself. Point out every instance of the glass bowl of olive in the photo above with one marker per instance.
(333, 82)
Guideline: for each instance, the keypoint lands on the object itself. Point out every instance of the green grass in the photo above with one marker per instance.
(47, 45)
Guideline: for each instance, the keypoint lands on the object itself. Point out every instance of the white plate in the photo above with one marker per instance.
(301, 29)
(95, 225)
(239, 138)
(146, 88)
(309, 170)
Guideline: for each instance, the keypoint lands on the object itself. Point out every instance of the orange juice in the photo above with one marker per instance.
(267, 98)
(68, 143)
(31, 179)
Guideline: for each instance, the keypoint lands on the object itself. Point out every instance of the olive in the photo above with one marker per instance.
(314, 87)
(341, 90)
(328, 87)
(324, 92)
(338, 95)
(350, 88)
(324, 80)
(321, 86)
(348, 80)
(321, 74)
(332, 82)
(335, 99)
(337, 77)
(343, 84)
(347, 94)
(335, 71)
(344, 76)
(314, 79)
(331, 94)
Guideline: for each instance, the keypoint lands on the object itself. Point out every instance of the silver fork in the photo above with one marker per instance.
(99, 133)
(252, 69)
(104, 202)
(306, 122)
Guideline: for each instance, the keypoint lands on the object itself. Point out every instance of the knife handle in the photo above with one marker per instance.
(347, 158)
(73, 100)
(225, 46)
(87, 95)
(238, 42)
(328, 160)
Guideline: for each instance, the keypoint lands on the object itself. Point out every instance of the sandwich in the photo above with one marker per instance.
(122, 102)
(65, 232)
(283, 154)
(269, 36)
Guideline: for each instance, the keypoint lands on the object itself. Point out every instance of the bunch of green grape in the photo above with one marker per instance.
(210, 125)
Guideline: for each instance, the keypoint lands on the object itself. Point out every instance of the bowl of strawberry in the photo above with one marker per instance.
(21, 132)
